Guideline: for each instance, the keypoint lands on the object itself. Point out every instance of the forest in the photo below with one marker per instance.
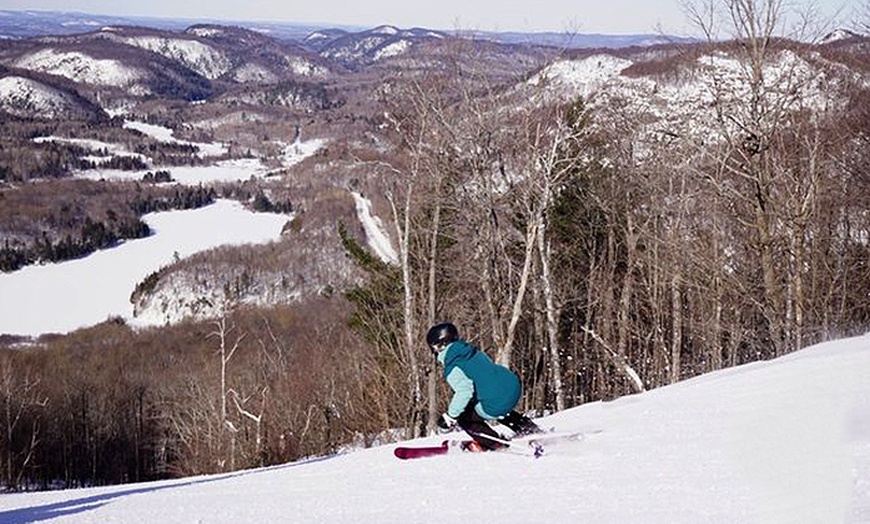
(591, 245)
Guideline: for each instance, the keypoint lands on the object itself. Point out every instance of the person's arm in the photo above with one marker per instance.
(463, 392)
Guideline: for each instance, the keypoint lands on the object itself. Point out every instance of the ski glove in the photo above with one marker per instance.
(446, 423)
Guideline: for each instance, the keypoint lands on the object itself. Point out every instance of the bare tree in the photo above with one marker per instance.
(223, 329)
(21, 397)
(749, 167)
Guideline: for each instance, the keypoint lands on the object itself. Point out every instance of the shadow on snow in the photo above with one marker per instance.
(75, 506)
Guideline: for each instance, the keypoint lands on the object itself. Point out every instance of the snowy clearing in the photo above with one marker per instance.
(785, 441)
(237, 170)
(166, 135)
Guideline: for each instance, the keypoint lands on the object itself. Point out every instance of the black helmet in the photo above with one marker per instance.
(441, 335)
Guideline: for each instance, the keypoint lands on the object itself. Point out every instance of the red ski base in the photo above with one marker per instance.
(406, 453)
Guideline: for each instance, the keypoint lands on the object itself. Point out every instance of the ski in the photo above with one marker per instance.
(415, 452)
(514, 446)
(550, 438)
(541, 441)
(408, 452)
(531, 445)
(529, 449)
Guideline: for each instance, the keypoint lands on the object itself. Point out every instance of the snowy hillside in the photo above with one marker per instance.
(83, 68)
(196, 55)
(786, 441)
(682, 105)
(22, 96)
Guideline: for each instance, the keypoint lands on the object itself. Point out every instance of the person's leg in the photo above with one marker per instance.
(520, 424)
(476, 426)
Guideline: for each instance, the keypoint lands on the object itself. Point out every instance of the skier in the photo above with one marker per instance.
(482, 390)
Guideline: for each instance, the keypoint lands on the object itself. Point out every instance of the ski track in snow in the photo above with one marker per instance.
(786, 441)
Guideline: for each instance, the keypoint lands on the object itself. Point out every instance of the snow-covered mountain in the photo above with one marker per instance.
(357, 49)
(199, 56)
(779, 442)
(102, 63)
(26, 24)
(837, 35)
(240, 65)
(195, 64)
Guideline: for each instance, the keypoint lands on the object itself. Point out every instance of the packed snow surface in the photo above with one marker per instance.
(779, 442)
(63, 297)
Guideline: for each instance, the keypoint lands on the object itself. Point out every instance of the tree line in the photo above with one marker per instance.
(109, 405)
(54, 228)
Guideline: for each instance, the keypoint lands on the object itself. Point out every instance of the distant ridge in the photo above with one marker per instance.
(26, 24)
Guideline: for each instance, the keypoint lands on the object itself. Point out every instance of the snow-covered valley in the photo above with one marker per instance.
(62, 297)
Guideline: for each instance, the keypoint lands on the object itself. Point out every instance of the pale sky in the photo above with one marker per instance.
(581, 16)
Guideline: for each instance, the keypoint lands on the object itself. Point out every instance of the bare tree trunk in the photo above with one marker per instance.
(504, 353)
(620, 362)
(623, 318)
(677, 329)
(432, 386)
(552, 318)
(403, 231)
(222, 331)
(716, 349)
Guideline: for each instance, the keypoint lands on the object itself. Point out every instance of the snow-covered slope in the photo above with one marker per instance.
(371, 46)
(680, 102)
(780, 442)
(24, 97)
(198, 56)
(837, 35)
(582, 76)
(81, 67)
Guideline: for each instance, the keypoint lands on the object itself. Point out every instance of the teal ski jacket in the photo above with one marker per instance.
(472, 375)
